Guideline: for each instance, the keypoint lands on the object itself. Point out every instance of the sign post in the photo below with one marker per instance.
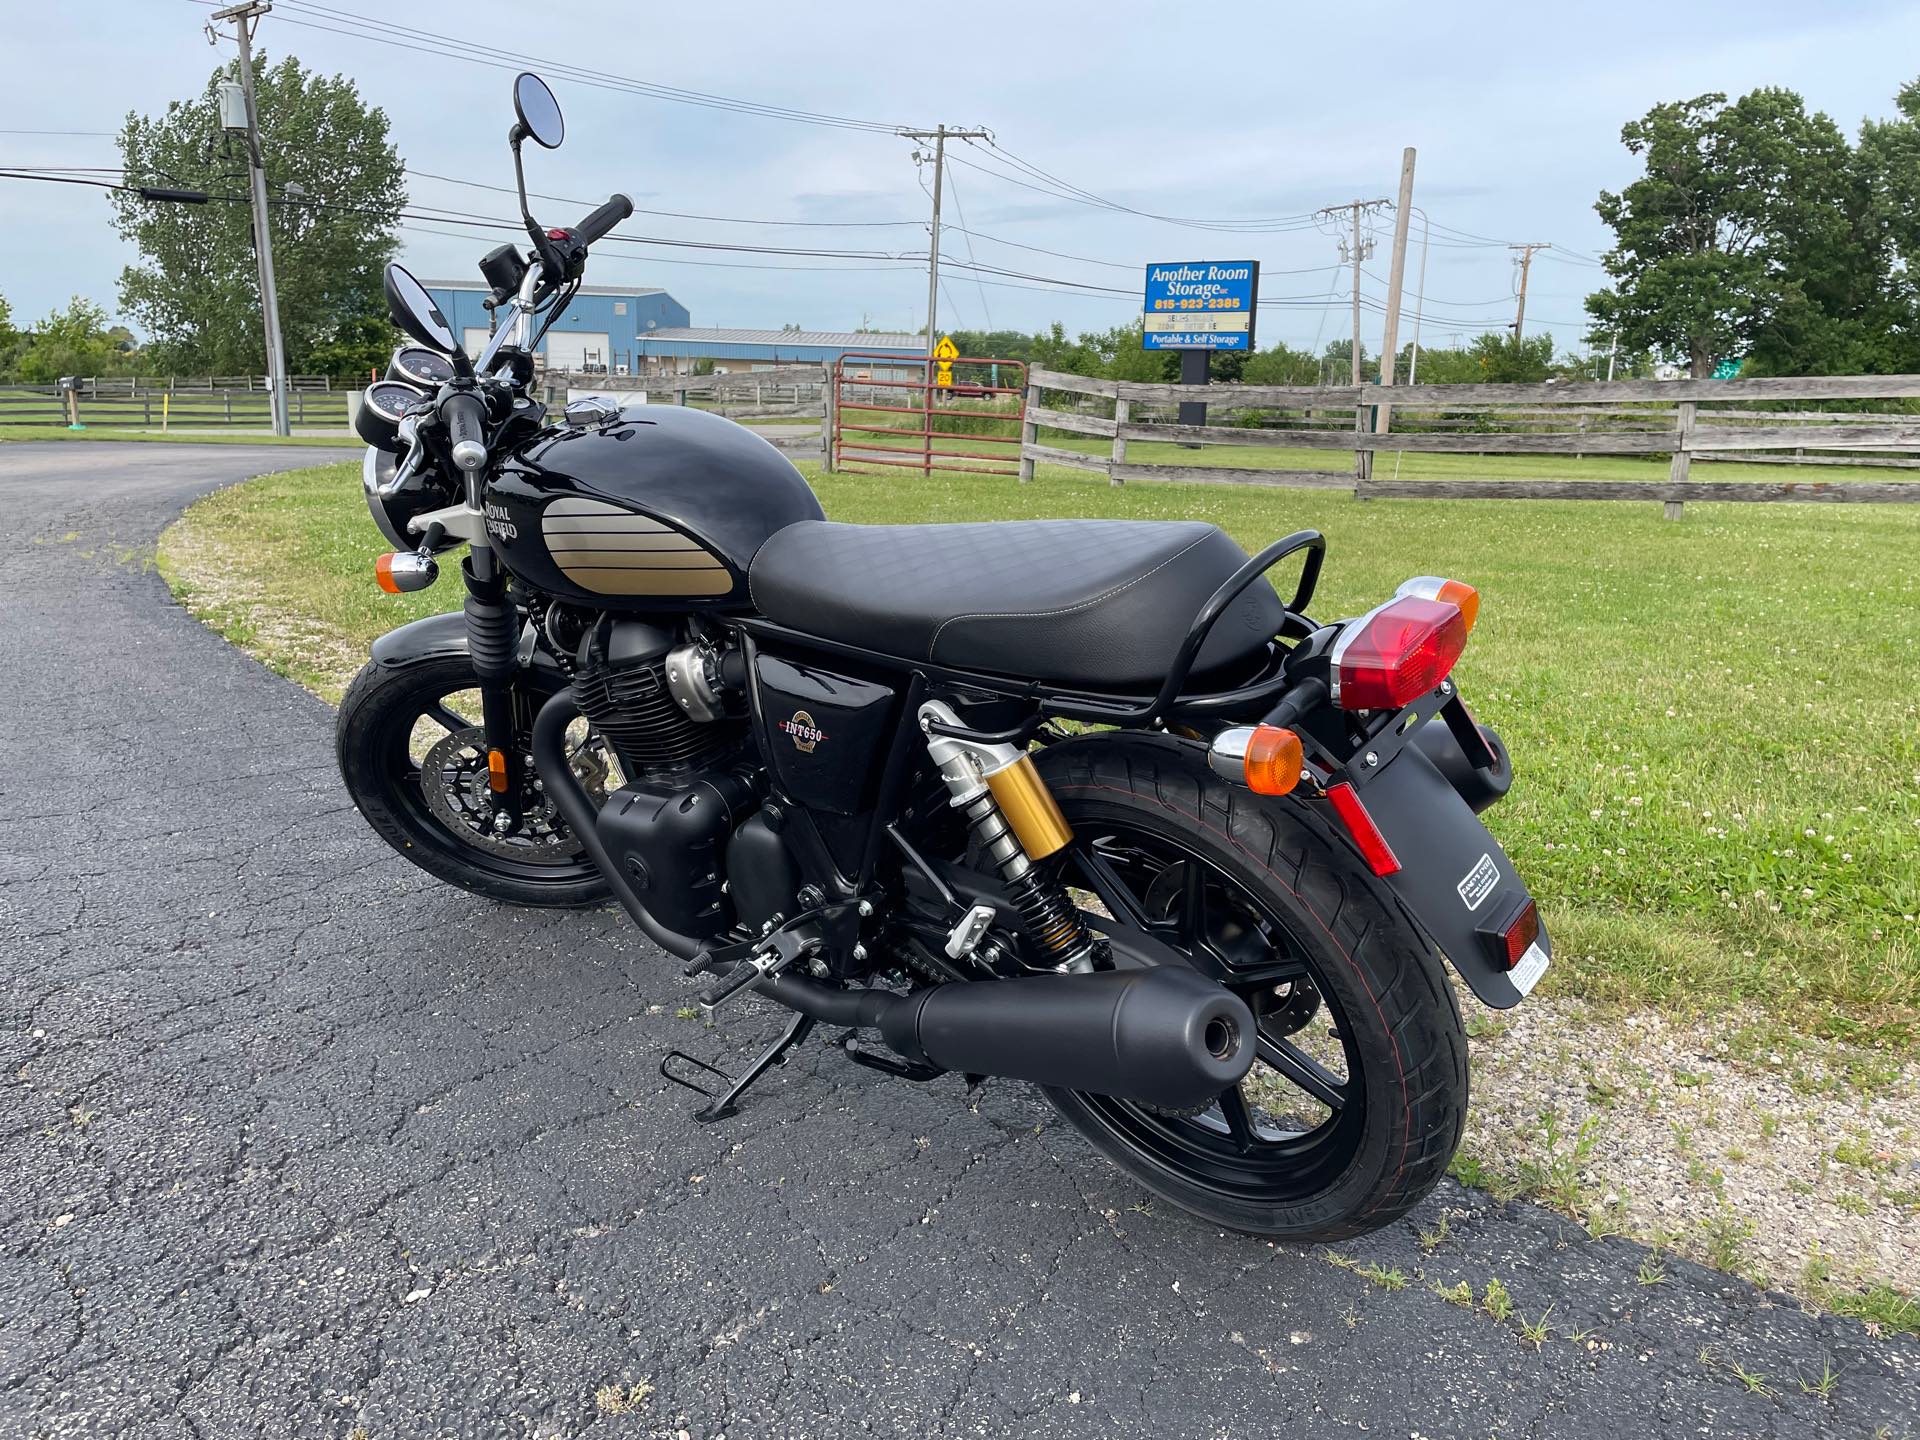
(1198, 307)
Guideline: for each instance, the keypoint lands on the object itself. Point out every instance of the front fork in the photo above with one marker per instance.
(493, 639)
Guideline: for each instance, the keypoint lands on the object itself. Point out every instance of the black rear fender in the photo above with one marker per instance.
(1454, 879)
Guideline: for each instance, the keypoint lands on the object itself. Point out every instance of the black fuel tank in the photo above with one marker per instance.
(661, 509)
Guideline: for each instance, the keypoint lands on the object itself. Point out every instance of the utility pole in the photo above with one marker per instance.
(940, 134)
(1526, 264)
(1397, 273)
(245, 17)
(1356, 250)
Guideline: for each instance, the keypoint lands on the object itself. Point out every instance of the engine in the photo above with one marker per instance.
(659, 700)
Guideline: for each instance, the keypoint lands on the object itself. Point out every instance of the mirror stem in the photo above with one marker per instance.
(541, 245)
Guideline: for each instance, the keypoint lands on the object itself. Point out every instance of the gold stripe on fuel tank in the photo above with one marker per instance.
(613, 551)
(1032, 812)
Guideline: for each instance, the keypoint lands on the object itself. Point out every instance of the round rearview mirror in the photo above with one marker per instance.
(413, 310)
(539, 112)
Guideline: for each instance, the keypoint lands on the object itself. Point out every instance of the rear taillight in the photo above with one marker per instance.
(1396, 654)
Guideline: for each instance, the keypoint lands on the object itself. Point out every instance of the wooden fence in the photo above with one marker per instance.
(1679, 420)
(106, 405)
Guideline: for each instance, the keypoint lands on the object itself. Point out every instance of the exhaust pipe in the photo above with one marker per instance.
(1162, 1036)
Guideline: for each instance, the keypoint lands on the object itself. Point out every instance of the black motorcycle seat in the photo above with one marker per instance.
(1102, 604)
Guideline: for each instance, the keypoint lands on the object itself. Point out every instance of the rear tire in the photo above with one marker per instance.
(375, 735)
(1138, 802)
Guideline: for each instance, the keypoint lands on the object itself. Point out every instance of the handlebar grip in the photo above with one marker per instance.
(465, 414)
(603, 218)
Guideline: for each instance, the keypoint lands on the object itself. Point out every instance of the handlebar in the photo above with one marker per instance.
(465, 414)
(602, 219)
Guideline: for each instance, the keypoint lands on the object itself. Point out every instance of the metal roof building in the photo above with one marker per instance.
(733, 350)
(601, 331)
(630, 330)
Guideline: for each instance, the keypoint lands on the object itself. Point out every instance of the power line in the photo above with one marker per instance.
(678, 214)
(315, 16)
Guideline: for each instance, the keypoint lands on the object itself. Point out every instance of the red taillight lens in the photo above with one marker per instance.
(1398, 653)
(1373, 845)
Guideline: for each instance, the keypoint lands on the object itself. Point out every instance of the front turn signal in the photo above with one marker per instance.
(403, 571)
(1267, 759)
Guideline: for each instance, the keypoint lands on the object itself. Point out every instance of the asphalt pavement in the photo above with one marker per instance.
(297, 1142)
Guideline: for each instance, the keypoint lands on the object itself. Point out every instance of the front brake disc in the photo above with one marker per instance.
(454, 781)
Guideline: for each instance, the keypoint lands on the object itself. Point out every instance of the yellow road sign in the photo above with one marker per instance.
(943, 375)
(946, 349)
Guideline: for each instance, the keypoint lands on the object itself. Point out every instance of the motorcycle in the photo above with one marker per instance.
(1079, 803)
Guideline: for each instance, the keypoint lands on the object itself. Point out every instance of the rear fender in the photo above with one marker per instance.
(1454, 879)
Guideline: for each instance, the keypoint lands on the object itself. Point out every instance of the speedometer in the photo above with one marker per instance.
(382, 406)
(418, 365)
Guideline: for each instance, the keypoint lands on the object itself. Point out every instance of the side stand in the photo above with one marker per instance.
(726, 1103)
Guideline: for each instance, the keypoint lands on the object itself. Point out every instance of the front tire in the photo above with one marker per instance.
(398, 739)
(1330, 1136)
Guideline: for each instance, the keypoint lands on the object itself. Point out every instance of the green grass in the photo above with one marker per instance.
(198, 437)
(1715, 723)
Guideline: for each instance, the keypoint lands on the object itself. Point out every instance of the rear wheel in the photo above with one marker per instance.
(413, 756)
(1358, 1097)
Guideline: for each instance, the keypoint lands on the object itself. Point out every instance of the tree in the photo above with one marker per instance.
(73, 341)
(1742, 236)
(335, 184)
(360, 344)
(1889, 169)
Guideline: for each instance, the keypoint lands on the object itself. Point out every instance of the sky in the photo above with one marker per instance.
(1245, 117)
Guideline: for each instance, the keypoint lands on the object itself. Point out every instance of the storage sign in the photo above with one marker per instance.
(1201, 305)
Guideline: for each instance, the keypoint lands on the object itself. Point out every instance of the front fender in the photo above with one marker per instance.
(436, 636)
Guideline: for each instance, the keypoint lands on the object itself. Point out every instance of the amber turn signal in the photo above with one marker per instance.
(1457, 593)
(1267, 759)
(405, 570)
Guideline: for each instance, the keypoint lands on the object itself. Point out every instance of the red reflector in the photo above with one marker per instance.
(1373, 845)
(1398, 653)
(1522, 931)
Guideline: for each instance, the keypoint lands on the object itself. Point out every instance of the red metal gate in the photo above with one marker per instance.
(917, 423)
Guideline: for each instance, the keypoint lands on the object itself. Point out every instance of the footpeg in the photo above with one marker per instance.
(773, 955)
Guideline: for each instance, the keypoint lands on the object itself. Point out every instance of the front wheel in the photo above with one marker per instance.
(414, 759)
(1358, 1098)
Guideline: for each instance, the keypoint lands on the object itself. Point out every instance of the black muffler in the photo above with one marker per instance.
(1162, 1036)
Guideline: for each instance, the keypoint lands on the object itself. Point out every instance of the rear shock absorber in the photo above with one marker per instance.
(1015, 822)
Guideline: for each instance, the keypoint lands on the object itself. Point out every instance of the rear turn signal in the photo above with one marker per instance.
(1267, 759)
(1396, 654)
(1457, 593)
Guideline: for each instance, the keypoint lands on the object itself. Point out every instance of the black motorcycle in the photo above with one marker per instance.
(1081, 803)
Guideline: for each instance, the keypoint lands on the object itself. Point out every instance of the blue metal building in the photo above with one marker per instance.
(630, 330)
(602, 330)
